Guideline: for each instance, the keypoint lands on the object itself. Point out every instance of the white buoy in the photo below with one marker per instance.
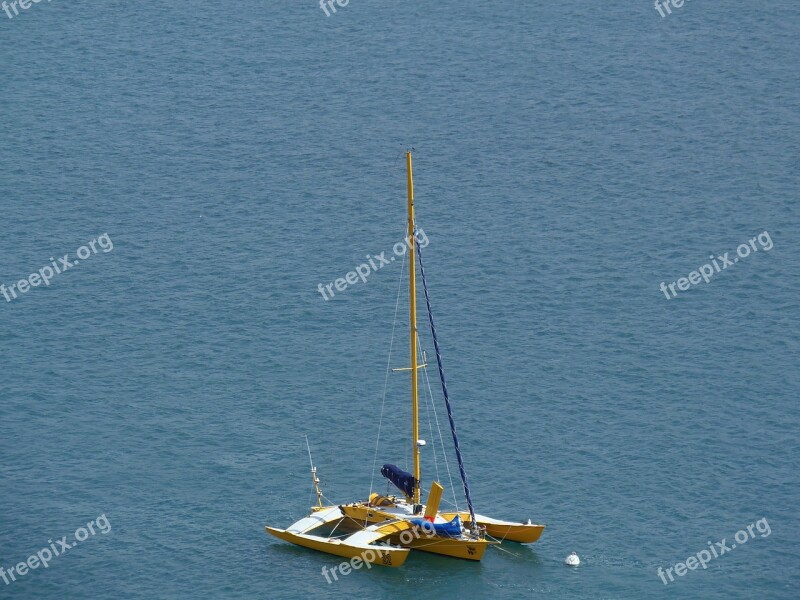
(572, 560)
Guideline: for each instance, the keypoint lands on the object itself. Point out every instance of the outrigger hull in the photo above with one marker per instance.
(379, 555)
(523, 533)
(505, 531)
(454, 548)
(467, 548)
(359, 545)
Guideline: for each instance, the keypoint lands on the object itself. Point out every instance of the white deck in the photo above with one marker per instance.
(322, 517)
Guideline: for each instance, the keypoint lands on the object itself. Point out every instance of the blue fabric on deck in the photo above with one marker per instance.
(451, 529)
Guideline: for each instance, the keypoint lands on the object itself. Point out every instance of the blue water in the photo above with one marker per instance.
(570, 157)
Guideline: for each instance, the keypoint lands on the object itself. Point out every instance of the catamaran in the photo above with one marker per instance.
(384, 528)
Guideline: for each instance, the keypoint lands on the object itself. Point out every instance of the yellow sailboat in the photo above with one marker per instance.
(384, 528)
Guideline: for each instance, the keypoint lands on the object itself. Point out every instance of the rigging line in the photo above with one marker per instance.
(308, 447)
(506, 535)
(386, 378)
(407, 416)
(503, 539)
(428, 403)
(330, 535)
(498, 548)
(441, 442)
(313, 489)
(444, 391)
(344, 516)
(359, 523)
(436, 418)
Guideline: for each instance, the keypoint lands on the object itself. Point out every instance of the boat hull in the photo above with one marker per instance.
(378, 555)
(505, 531)
(465, 548)
(454, 548)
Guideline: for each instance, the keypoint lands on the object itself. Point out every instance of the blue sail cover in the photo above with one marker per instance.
(451, 529)
(404, 481)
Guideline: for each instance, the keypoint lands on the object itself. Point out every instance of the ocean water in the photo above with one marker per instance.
(569, 158)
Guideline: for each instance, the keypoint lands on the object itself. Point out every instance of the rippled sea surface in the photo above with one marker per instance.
(569, 158)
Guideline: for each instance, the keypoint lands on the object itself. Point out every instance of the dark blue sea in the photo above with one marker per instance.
(209, 165)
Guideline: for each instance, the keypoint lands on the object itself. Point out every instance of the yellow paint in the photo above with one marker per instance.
(412, 309)
(521, 533)
(434, 497)
(467, 549)
(394, 527)
(364, 514)
(379, 555)
(455, 548)
(377, 500)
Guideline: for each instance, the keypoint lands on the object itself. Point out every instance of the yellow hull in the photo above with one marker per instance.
(378, 555)
(468, 549)
(501, 530)
(507, 532)
(455, 548)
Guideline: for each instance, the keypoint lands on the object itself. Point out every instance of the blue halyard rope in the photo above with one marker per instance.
(444, 387)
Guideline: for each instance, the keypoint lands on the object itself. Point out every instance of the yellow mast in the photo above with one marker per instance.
(412, 291)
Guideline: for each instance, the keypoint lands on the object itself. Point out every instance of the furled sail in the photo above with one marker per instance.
(403, 480)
